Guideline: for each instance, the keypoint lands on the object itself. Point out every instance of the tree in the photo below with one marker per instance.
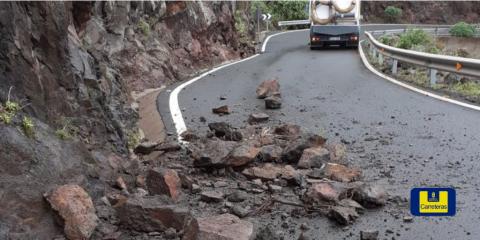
(393, 13)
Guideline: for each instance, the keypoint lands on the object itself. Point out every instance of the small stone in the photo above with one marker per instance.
(273, 102)
(369, 235)
(271, 172)
(343, 215)
(222, 110)
(408, 218)
(323, 192)
(145, 148)
(237, 196)
(225, 131)
(240, 211)
(196, 188)
(346, 202)
(257, 118)
(211, 196)
(275, 188)
(121, 183)
(338, 172)
(242, 155)
(170, 233)
(221, 227)
(270, 153)
(370, 196)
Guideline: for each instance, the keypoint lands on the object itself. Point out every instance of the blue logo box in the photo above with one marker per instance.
(433, 202)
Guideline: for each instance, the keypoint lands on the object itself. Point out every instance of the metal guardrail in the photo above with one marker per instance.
(294, 22)
(434, 62)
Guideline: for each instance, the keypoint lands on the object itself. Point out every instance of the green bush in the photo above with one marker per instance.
(393, 13)
(144, 27)
(8, 112)
(389, 39)
(28, 126)
(414, 38)
(463, 29)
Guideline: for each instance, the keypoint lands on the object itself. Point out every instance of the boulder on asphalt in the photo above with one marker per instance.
(273, 102)
(75, 207)
(267, 88)
(211, 152)
(222, 110)
(164, 181)
(211, 196)
(270, 153)
(270, 172)
(145, 147)
(314, 157)
(224, 131)
(189, 136)
(341, 173)
(242, 155)
(338, 152)
(370, 196)
(257, 118)
(369, 235)
(293, 151)
(220, 227)
(152, 213)
(343, 215)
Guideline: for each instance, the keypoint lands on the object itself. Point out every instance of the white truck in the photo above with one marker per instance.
(334, 23)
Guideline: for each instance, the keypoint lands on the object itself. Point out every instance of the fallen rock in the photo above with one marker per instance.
(370, 196)
(145, 148)
(152, 213)
(121, 183)
(293, 151)
(211, 153)
(338, 172)
(237, 196)
(369, 235)
(222, 110)
(169, 147)
(338, 152)
(343, 215)
(313, 157)
(211, 196)
(240, 211)
(267, 88)
(270, 153)
(323, 192)
(189, 136)
(290, 130)
(271, 172)
(273, 102)
(346, 202)
(75, 207)
(225, 131)
(221, 227)
(164, 181)
(242, 155)
(257, 118)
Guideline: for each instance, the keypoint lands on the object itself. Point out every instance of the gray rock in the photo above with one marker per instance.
(257, 118)
(369, 235)
(343, 215)
(211, 196)
(273, 102)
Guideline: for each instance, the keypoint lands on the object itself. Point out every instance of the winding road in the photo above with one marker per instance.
(401, 139)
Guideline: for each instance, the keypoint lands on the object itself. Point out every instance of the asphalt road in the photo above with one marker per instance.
(400, 139)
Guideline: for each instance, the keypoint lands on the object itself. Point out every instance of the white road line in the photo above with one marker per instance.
(175, 110)
(433, 95)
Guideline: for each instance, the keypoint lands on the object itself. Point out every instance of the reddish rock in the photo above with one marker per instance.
(225, 131)
(323, 192)
(221, 227)
(288, 130)
(338, 152)
(293, 151)
(370, 196)
(242, 155)
(211, 153)
(338, 172)
(270, 153)
(271, 172)
(75, 207)
(121, 183)
(222, 110)
(152, 213)
(313, 157)
(268, 88)
(164, 181)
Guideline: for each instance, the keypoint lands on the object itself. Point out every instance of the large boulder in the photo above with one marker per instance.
(75, 207)
(221, 227)
(151, 213)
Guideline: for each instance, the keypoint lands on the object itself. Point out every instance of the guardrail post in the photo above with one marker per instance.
(394, 66)
(380, 57)
(433, 76)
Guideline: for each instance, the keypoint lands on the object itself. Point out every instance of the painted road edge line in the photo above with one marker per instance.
(426, 93)
(175, 110)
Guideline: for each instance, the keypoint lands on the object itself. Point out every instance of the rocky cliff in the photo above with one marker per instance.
(71, 67)
(434, 12)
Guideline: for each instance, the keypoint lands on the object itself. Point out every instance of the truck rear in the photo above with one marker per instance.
(334, 23)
